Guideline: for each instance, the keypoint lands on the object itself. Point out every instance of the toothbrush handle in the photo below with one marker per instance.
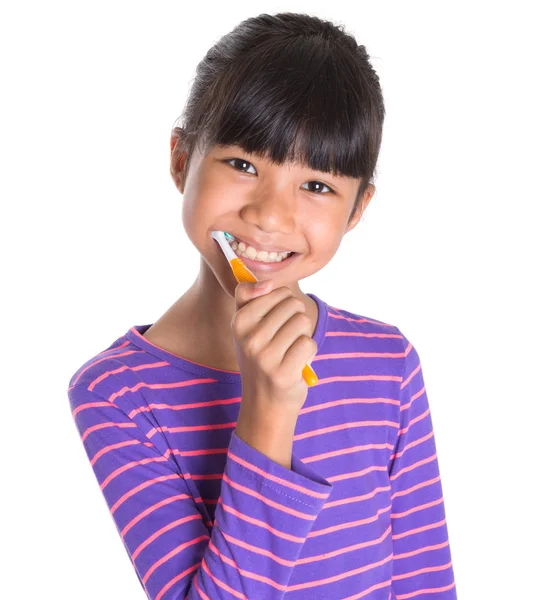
(309, 375)
(242, 273)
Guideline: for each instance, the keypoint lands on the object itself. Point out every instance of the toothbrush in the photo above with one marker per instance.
(242, 273)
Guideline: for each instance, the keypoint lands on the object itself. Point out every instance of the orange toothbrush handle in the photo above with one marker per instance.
(242, 273)
(309, 375)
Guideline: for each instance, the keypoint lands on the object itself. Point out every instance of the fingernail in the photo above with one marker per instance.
(262, 285)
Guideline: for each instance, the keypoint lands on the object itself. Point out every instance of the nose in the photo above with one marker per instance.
(271, 213)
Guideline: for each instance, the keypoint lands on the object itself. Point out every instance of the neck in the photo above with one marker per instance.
(200, 320)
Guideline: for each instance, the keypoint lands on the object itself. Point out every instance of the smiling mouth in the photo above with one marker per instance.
(258, 256)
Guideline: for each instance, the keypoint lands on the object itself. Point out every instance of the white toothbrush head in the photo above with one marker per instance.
(221, 238)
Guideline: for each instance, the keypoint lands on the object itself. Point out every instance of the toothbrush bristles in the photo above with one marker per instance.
(228, 236)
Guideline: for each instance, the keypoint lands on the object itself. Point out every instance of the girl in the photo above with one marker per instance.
(225, 474)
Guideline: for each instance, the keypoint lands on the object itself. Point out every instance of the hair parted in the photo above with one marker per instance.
(288, 87)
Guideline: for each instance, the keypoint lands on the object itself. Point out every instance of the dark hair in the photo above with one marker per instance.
(288, 87)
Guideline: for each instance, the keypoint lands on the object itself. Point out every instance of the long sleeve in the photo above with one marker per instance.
(421, 552)
(262, 519)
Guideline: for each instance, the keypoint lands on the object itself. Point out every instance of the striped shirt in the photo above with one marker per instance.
(203, 515)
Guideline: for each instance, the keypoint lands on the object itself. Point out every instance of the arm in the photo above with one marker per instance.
(421, 552)
(262, 519)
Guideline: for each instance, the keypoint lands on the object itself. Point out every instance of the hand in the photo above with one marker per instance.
(273, 342)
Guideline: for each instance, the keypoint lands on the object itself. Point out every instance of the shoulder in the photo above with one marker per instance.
(371, 338)
(108, 374)
(370, 326)
(109, 389)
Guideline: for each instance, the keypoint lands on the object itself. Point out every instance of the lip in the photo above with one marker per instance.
(257, 246)
(263, 267)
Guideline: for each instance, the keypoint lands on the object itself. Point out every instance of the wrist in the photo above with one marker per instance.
(270, 434)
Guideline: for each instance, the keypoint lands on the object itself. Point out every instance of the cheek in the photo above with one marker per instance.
(196, 217)
(200, 216)
(189, 218)
(324, 238)
(196, 226)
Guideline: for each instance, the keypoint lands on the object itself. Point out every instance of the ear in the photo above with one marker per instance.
(178, 158)
(367, 197)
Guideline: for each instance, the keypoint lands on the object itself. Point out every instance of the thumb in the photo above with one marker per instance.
(248, 290)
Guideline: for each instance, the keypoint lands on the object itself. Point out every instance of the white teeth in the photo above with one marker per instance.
(259, 255)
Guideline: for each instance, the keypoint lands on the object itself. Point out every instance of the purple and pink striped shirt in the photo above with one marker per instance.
(203, 515)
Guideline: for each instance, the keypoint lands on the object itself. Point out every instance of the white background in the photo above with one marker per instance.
(450, 251)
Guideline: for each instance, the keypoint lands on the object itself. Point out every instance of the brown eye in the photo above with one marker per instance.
(244, 163)
(321, 184)
(239, 160)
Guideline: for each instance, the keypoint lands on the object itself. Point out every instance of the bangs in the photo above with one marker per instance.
(296, 102)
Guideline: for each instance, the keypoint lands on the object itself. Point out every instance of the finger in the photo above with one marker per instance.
(249, 315)
(272, 332)
(291, 348)
(248, 290)
(278, 314)
(299, 325)
(299, 354)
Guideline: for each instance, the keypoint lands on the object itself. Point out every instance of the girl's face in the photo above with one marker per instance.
(288, 206)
